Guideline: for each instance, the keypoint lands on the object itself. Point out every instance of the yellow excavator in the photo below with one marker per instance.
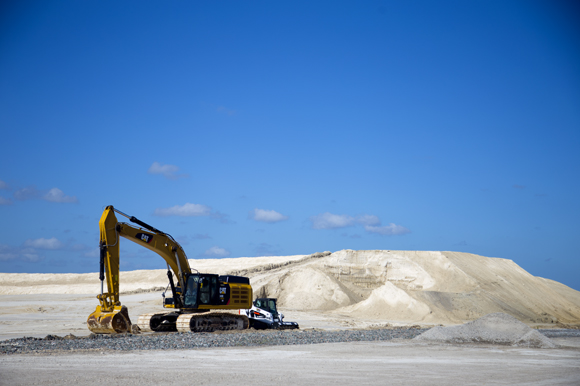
(195, 294)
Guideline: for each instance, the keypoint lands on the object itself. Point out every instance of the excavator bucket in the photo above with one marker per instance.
(116, 322)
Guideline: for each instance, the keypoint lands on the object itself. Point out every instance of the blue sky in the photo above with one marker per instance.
(279, 128)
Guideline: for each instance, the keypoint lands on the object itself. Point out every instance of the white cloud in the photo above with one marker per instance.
(52, 243)
(27, 193)
(368, 219)
(331, 221)
(52, 195)
(5, 256)
(185, 210)
(3, 185)
(216, 252)
(270, 216)
(29, 254)
(57, 195)
(334, 221)
(168, 171)
(387, 230)
(5, 201)
(6, 253)
(26, 254)
(371, 223)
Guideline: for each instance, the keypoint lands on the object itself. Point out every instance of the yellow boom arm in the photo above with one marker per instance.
(153, 239)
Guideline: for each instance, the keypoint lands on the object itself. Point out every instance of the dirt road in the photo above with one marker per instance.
(361, 363)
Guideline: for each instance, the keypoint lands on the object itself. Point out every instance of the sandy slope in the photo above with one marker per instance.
(418, 287)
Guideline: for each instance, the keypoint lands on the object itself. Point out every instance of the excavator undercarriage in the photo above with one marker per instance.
(204, 322)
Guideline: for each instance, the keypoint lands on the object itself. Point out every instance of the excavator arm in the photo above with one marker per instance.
(110, 316)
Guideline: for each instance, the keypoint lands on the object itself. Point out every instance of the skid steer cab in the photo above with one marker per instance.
(264, 315)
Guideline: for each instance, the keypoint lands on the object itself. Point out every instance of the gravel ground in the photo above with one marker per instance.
(179, 341)
(249, 338)
(395, 362)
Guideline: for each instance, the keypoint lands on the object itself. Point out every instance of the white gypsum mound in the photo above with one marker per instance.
(377, 286)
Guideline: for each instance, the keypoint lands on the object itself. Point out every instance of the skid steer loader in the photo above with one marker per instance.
(264, 315)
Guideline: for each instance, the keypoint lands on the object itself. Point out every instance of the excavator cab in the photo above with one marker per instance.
(202, 289)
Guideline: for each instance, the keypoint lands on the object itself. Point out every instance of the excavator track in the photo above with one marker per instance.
(158, 322)
(205, 322)
(211, 321)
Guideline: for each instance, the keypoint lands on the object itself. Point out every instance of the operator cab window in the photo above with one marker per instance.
(204, 290)
(266, 304)
(271, 305)
(208, 286)
(213, 289)
(191, 291)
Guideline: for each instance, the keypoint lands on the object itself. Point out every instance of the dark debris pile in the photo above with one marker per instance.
(560, 333)
(180, 341)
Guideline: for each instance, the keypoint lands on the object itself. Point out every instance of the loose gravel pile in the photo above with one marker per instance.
(180, 341)
(497, 328)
